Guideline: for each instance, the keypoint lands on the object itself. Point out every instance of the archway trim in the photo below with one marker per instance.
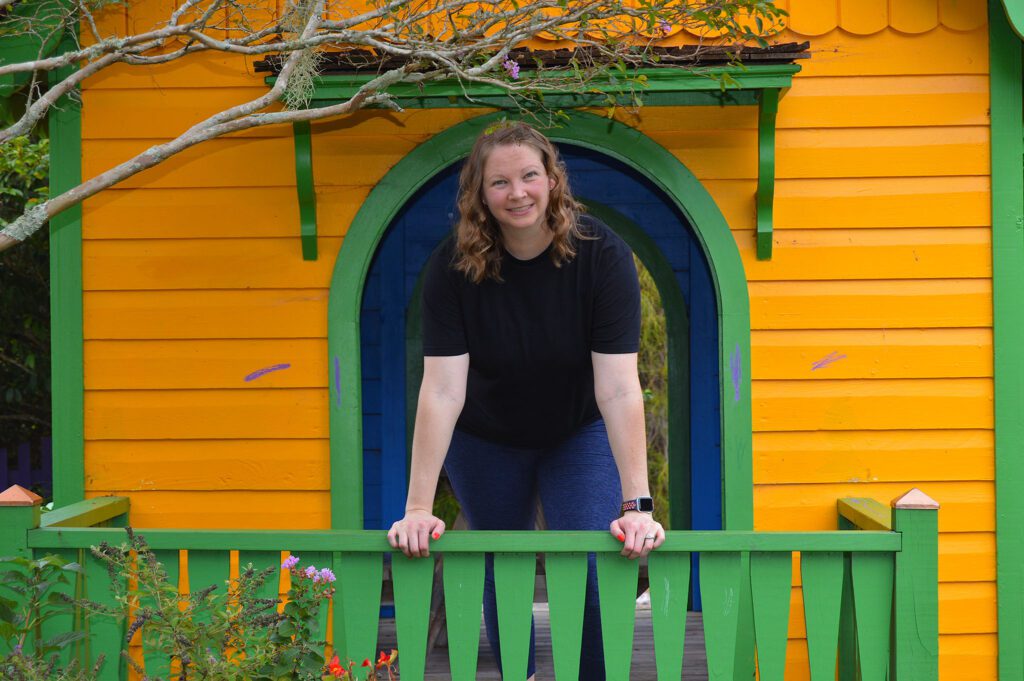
(616, 140)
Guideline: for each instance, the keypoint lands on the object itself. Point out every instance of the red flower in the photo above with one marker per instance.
(367, 663)
(383, 660)
(335, 668)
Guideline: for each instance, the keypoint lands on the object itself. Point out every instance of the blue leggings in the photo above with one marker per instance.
(578, 485)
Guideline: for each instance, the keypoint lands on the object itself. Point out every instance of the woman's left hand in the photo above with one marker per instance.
(639, 533)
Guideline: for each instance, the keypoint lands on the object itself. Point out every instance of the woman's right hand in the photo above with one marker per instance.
(413, 533)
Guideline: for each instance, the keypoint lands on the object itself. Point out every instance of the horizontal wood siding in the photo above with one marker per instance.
(872, 342)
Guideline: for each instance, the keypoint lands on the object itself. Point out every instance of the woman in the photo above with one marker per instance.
(531, 322)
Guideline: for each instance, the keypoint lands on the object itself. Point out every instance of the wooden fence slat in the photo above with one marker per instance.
(771, 580)
(566, 575)
(413, 581)
(616, 581)
(319, 560)
(69, 621)
(157, 662)
(261, 560)
(359, 578)
(205, 569)
(105, 634)
(720, 595)
(463, 597)
(514, 575)
(847, 627)
(822, 573)
(670, 586)
(872, 596)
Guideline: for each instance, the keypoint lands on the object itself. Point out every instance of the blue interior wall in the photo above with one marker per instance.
(400, 258)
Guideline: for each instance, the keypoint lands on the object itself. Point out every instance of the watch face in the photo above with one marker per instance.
(646, 505)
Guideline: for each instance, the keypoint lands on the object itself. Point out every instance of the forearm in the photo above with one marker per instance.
(436, 415)
(623, 414)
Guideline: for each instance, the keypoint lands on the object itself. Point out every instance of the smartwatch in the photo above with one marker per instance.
(642, 504)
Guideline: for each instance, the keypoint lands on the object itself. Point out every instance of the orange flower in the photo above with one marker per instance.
(335, 668)
(382, 660)
(367, 663)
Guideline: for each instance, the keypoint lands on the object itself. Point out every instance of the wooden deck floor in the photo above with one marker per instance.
(642, 669)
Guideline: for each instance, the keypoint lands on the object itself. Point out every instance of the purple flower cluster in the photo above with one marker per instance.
(290, 562)
(512, 67)
(324, 575)
(665, 27)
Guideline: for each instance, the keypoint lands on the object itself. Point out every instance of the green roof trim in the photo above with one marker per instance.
(1015, 15)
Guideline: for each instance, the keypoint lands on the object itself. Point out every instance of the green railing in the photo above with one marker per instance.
(870, 594)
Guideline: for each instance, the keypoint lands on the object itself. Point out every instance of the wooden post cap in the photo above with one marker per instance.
(16, 495)
(915, 498)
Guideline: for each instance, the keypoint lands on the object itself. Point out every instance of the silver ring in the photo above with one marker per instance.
(650, 536)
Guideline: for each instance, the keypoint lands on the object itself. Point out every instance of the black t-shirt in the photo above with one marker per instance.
(529, 337)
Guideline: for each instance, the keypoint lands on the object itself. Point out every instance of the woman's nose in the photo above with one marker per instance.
(518, 190)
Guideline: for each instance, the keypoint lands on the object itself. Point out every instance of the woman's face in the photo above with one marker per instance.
(517, 188)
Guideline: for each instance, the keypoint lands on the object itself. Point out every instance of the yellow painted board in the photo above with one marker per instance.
(149, 15)
(913, 16)
(164, 264)
(292, 313)
(889, 52)
(164, 465)
(212, 69)
(879, 202)
(884, 101)
(911, 456)
(885, 304)
(228, 363)
(202, 213)
(864, 17)
(967, 557)
(875, 404)
(813, 17)
(284, 510)
(870, 254)
(110, 21)
(963, 15)
(299, 413)
(966, 506)
(871, 353)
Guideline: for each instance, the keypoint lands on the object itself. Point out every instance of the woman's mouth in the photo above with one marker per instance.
(521, 210)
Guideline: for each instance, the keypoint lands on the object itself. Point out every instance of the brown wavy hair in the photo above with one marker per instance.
(478, 244)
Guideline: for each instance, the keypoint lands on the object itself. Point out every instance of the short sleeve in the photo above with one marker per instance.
(616, 321)
(443, 329)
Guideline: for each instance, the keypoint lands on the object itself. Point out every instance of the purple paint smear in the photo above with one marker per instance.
(337, 381)
(266, 370)
(736, 365)
(826, 360)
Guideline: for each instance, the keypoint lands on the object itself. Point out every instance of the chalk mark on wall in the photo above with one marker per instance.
(830, 358)
(736, 366)
(266, 370)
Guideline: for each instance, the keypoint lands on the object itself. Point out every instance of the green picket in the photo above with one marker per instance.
(616, 582)
(359, 584)
(157, 662)
(670, 586)
(105, 634)
(847, 630)
(771, 584)
(68, 621)
(514, 575)
(872, 575)
(319, 560)
(566, 577)
(720, 596)
(822, 573)
(413, 582)
(261, 560)
(205, 569)
(463, 599)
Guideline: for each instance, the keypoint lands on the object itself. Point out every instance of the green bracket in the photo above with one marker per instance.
(768, 108)
(304, 184)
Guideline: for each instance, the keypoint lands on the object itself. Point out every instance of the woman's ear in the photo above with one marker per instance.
(551, 183)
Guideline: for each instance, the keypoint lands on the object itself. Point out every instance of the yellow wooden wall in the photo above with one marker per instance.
(193, 279)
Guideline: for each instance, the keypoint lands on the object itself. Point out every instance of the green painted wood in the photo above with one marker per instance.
(359, 583)
(86, 513)
(105, 634)
(566, 575)
(847, 626)
(471, 542)
(262, 560)
(865, 514)
(463, 599)
(514, 575)
(616, 583)
(916, 595)
(677, 332)
(767, 111)
(158, 663)
(771, 583)
(720, 578)
(669, 575)
(619, 142)
(414, 581)
(306, 187)
(205, 569)
(15, 524)
(320, 560)
(822, 574)
(872, 581)
(66, 336)
(1007, 148)
(69, 621)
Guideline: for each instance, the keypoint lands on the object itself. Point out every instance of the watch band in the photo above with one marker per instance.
(641, 504)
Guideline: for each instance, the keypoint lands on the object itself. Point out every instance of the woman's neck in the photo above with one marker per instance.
(527, 246)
